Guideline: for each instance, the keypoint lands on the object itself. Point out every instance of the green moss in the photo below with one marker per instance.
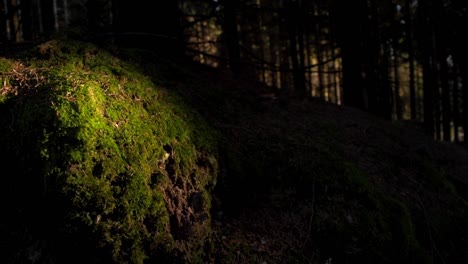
(5, 65)
(399, 226)
(94, 133)
(5, 68)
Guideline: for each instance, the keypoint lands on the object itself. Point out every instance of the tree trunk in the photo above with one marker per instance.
(429, 80)
(351, 49)
(231, 35)
(409, 39)
(446, 113)
(396, 64)
(26, 19)
(318, 52)
(292, 22)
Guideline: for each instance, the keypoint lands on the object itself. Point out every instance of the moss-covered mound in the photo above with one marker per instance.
(99, 163)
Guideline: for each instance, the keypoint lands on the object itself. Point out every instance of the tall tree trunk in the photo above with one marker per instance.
(385, 95)
(462, 54)
(56, 15)
(397, 96)
(440, 36)
(318, 50)
(351, 49)
(376, 64)
(274, 39)
(261, 44)
(409, 39)
(446, 112)
(40, 21)
(4, 22)
(284, 56)
(465, 105)
(18, 21)
(293, 33)
(302, 88)
(429, 82)
(455, 97)
(231, 35)
(66, 16)
(27, 19)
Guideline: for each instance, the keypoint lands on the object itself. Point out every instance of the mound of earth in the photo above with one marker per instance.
(99, 162)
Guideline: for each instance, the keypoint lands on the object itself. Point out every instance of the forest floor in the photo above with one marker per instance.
(296, 201)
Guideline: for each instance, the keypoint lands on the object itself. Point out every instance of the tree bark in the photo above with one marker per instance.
(349, 33)
(429, 82)
(409, 39)
(292, 22)
(231, 35)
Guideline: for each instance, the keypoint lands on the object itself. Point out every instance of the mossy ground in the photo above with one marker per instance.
(102, 156)
(121, 149)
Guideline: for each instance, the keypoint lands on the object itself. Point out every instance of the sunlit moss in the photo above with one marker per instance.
(93, 135)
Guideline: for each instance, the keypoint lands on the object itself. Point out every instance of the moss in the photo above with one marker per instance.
(357, 222)
(5, 65)
(93, 135)
(436, 178)
(5, 68)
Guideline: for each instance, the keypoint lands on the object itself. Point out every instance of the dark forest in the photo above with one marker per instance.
(233, 131)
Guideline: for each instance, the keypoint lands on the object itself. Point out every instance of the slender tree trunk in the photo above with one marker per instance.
(463, 55)
(3, 22)
(455, 99)
(8, 12)
(273, 57)
(27, 19)
(385, 90)
(66, 16)
(13, 11)
(40, 22)
(56, 15)
(309, 76)
(429, 80)
(446, 113)
(294, 39)
(334, 73)
(283, 50)
(262, 46)
(318, 52)
(231, 35)
(274, 52)
(409, 39)
(396, 65)
(465, 106)
(308, 60)
(301, 50)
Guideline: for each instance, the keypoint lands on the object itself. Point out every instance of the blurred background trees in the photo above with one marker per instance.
(398, 59)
